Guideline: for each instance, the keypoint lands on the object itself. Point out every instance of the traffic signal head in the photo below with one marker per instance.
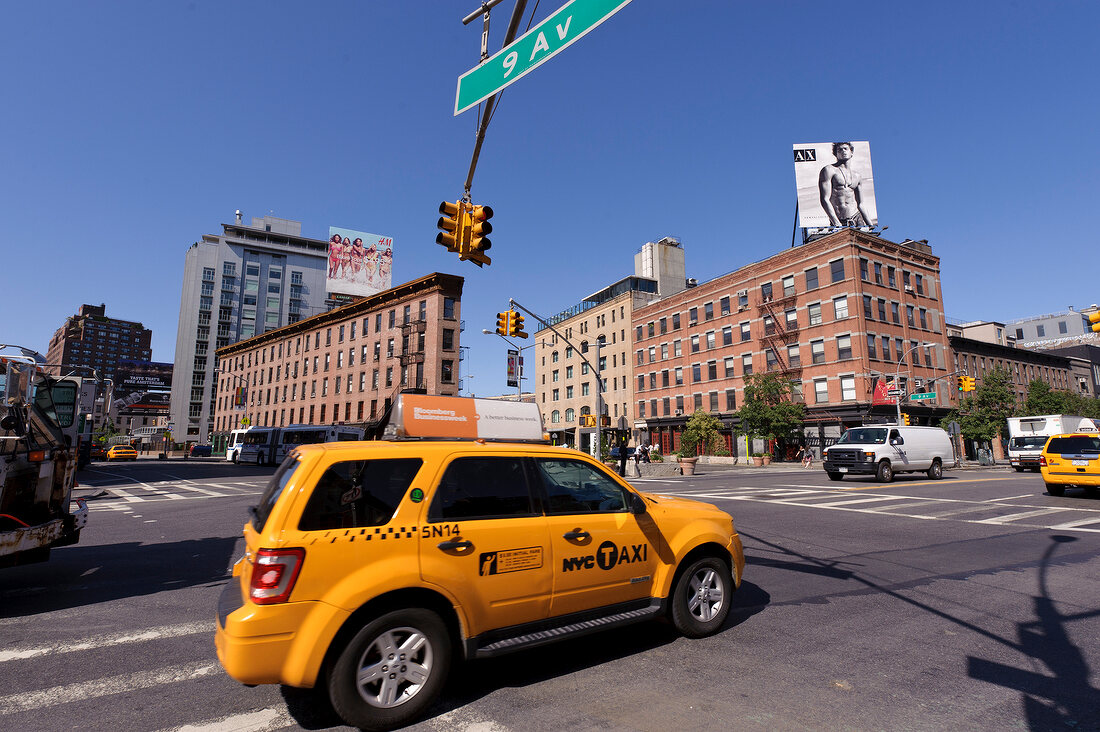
(516, 325)
(480, 228)
(1095, 320)
(451, 223)
(504, 323)
(906, 418)
(968, 384)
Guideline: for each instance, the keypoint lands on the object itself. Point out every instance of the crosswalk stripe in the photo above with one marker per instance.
(1079, 523)
(166, 631)
(851, 501)
(69, 693)
(259, 721)
(1018, 516)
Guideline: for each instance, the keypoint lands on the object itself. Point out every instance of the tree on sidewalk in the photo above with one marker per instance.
(702, 436)
(1042, 399)
(984, 414)
(767, 410)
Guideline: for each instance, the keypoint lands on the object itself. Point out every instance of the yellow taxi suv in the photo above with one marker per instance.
(370, 566)
(1071, 460)
(122, 452)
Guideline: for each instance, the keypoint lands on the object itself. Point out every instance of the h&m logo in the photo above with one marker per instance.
(807, 155)
(608, 556)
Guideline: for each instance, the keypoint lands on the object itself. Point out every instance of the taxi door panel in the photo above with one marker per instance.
(486, 543)
(602, 553)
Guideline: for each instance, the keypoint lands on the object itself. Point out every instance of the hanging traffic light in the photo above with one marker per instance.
(1095, 320)
(516, 325)
(960, 381)
(479, 228)
(905, 417)
(968, 383)
(504, 323)
(452, 225)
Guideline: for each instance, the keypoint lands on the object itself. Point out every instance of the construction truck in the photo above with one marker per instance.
(1028, 435)
(40, 430)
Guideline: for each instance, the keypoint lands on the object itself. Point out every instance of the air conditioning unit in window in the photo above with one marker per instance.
(909, 288)
(742, 292)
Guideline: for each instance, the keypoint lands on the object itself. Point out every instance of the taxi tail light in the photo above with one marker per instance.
(274, 574)
(1042, 461)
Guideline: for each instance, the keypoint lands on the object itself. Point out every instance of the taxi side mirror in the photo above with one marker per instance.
(637, 504)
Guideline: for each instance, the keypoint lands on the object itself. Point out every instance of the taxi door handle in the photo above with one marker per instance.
(576, 535)
(455, 544)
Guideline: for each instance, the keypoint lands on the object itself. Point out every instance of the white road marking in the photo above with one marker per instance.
(124, 495)
(1077, 524)
(849, 502)
(165, 631)
(1018, 516)
(69, 693)
(261, 721)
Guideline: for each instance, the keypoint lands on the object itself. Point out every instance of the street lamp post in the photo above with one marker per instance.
(897, 373)
(519, 366)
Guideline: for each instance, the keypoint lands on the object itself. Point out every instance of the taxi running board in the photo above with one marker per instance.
(521, 637)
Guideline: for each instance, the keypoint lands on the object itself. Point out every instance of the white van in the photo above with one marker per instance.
(883, 450)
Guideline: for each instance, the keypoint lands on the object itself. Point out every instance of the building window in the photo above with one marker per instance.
(794, 359)
(920, 284)
(840, 307)
(909, 316)
(727, 336)
(811, 279)
(863, 270)
(708, 311)
(746, 364)
(771, 361)
(847, 388)
(895, 313)
(724, 305)
(746, 335)
(885, 348)
(817, 351)
(821, 391)
(871, 346)
(766, 291)
(815, 313)
(447, 373)
(788, 285)
(844, 347)
(836, 268)
(696, 374)
(728, 363)
(1041, 331)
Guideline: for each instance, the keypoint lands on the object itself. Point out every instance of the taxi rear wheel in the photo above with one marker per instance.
(701, 598)
(1055, 489)
(391, 670)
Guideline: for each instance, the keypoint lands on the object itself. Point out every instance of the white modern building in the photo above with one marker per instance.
(247, 280)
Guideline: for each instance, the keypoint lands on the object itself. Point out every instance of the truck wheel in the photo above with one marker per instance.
(701, 597)
(833, 475)
(392, 669)
(1055, 489)
(885, 473)
(935, 471)
(1019, 469)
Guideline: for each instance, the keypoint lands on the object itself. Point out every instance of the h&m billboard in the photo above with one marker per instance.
(358, 263)
(835, 185)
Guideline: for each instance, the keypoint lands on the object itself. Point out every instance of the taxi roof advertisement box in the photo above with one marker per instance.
(420, 415)
(358, 263)
(835, 185)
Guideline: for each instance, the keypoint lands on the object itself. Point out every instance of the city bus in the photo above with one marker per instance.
(233, 446)
(307, 434)
(259, 446)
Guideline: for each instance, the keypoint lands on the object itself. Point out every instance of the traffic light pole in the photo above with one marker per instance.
(509, 36)
(595, 369)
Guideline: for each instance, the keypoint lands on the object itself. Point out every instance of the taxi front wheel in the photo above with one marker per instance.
(701, 598)
(391, 670)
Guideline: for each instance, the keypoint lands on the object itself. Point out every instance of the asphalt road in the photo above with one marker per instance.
(966, 603)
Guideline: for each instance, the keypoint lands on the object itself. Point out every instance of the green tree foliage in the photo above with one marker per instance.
(701, 435)
(984, 414)
(767, 410)
(1042, 399)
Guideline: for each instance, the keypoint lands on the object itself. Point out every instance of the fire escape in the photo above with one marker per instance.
(412, 353)
(778, 333)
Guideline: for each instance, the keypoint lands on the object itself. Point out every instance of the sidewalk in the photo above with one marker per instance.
(783, 467)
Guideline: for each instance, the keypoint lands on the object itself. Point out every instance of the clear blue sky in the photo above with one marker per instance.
(132, 129)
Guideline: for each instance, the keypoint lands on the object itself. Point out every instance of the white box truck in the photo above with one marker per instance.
(1028, 435)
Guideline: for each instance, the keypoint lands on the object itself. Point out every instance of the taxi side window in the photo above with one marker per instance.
(358, 493)
(573, 486)
(482, 487)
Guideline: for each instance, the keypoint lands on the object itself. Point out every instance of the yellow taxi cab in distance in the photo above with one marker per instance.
(1071, 460)
(369, 566)
(122, 452)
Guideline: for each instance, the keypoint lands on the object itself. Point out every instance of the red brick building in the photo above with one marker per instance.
(345, 366)
(833, 315)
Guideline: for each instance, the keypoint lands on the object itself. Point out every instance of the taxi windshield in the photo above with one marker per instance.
(864, 436)
(271, 494)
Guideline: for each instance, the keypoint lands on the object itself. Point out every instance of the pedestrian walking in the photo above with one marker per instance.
(807, 457)
(622, 457)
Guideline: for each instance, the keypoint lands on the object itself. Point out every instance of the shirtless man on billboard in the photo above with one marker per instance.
(840, 189)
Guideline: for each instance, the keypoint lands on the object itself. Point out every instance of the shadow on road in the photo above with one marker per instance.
(1063, 698)
(86, 575)
(311, 709)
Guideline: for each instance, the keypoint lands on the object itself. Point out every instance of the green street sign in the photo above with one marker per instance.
(926, 395)
(538, 45)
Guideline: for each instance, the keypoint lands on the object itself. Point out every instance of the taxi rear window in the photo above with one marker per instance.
(1074, 444)
(357, 493)
(271, 494)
